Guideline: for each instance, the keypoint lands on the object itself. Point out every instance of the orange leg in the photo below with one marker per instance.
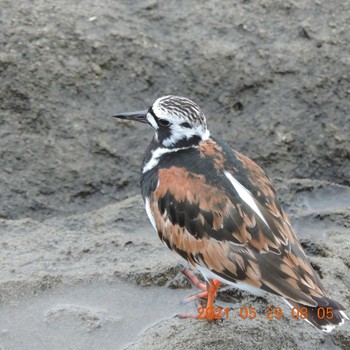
(209, 291)
(197, 283)
(212, 290)
(193, 279)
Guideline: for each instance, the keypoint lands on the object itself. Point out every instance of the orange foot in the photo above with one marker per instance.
(209, 291)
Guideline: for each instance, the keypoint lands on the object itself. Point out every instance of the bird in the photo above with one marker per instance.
(219, 211)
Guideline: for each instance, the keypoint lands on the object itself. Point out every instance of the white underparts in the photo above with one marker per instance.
(149, 213)
(157, 153)
(208, 274)
(246, 196)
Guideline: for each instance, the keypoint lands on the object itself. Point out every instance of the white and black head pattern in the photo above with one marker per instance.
(177, 121)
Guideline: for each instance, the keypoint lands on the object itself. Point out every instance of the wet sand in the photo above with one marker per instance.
(97, 279)
(89, 314)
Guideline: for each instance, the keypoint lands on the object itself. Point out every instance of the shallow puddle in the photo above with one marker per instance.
(98, 315)
(326, 198)
(312, 229)
(331, 199)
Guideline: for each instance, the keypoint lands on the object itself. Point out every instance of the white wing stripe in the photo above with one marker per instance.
(245, 195)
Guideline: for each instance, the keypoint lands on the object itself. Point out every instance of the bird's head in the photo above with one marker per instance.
(177, 121)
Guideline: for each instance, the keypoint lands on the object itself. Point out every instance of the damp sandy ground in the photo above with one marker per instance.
(86, 315)
(98, 280)
(80, 266)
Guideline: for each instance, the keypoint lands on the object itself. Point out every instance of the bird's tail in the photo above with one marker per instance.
(327, 315)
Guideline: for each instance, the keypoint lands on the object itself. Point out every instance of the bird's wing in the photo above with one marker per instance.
(232, 224)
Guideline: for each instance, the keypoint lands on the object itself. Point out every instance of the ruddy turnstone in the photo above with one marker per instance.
(217, 209)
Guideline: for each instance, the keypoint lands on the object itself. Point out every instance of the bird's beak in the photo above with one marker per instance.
(140, 116)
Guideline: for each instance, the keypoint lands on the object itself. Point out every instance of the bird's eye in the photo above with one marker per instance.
(163, 122)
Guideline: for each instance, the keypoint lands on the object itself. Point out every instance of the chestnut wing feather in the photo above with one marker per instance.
(210, 225)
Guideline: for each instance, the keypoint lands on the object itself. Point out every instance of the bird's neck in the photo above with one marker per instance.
(157, 150)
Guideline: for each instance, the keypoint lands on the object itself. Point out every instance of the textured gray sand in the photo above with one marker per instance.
(98, 280)
(273, 79)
